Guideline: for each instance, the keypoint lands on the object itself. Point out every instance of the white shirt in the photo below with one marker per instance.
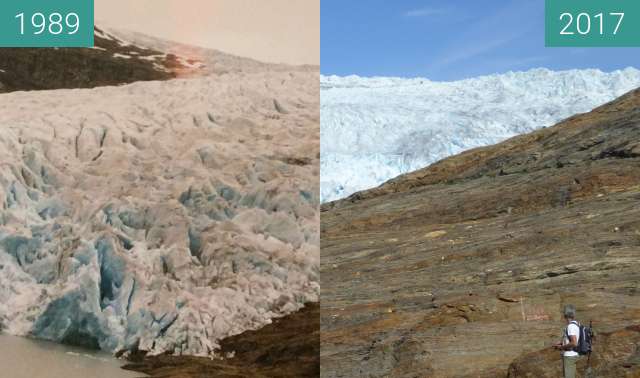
(573, 330)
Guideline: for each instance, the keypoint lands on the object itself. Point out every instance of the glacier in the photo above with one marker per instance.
(159, 216)
(374, 129)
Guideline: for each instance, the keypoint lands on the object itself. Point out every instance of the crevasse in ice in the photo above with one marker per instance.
(373, 129)
(161, 216)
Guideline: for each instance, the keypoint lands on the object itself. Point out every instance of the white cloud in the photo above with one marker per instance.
(467, 52)
(424, 12)
(483, 36)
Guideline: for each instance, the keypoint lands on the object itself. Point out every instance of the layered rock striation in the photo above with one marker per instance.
(461, 269)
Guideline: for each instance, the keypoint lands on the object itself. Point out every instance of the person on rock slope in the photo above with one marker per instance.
(569, 343)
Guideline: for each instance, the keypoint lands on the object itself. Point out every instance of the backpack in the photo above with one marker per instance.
(585, 338)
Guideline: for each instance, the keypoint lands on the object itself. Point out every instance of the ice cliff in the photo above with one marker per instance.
(374, 129)
(160, 216)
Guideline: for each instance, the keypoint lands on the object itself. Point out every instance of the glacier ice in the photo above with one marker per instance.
(373, 129)
(161, 216)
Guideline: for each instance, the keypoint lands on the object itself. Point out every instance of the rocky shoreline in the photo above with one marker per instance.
(289, 347)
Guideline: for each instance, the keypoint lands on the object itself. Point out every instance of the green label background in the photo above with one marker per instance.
(628, 35)
(10, 26)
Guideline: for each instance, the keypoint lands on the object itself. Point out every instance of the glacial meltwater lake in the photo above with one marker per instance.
(26, 358)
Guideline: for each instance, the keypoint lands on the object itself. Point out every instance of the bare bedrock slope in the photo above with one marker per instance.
(461, 269)
(111, 62)
(119, 58)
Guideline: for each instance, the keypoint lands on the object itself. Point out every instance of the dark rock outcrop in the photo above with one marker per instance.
(111, 62)
(461, 269)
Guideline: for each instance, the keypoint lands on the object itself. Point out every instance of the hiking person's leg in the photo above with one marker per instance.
(569, 366)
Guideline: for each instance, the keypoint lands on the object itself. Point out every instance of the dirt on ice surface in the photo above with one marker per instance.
(159, 216)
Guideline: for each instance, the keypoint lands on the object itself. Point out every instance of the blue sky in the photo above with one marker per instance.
(448, 39)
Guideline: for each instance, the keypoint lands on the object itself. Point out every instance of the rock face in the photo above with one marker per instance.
(205, 60)
(617, 356)
(112, 61)
(461, 269)
(159, 216)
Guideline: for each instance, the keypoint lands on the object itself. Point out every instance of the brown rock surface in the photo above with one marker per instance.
(616, 356)
(119, 58)
(55, 68)
(462, 268)
(289, 347)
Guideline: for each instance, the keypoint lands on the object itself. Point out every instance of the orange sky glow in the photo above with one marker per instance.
(277, 31)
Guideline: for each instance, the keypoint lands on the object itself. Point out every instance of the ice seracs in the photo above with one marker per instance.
(160, 216)
(377, 128)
